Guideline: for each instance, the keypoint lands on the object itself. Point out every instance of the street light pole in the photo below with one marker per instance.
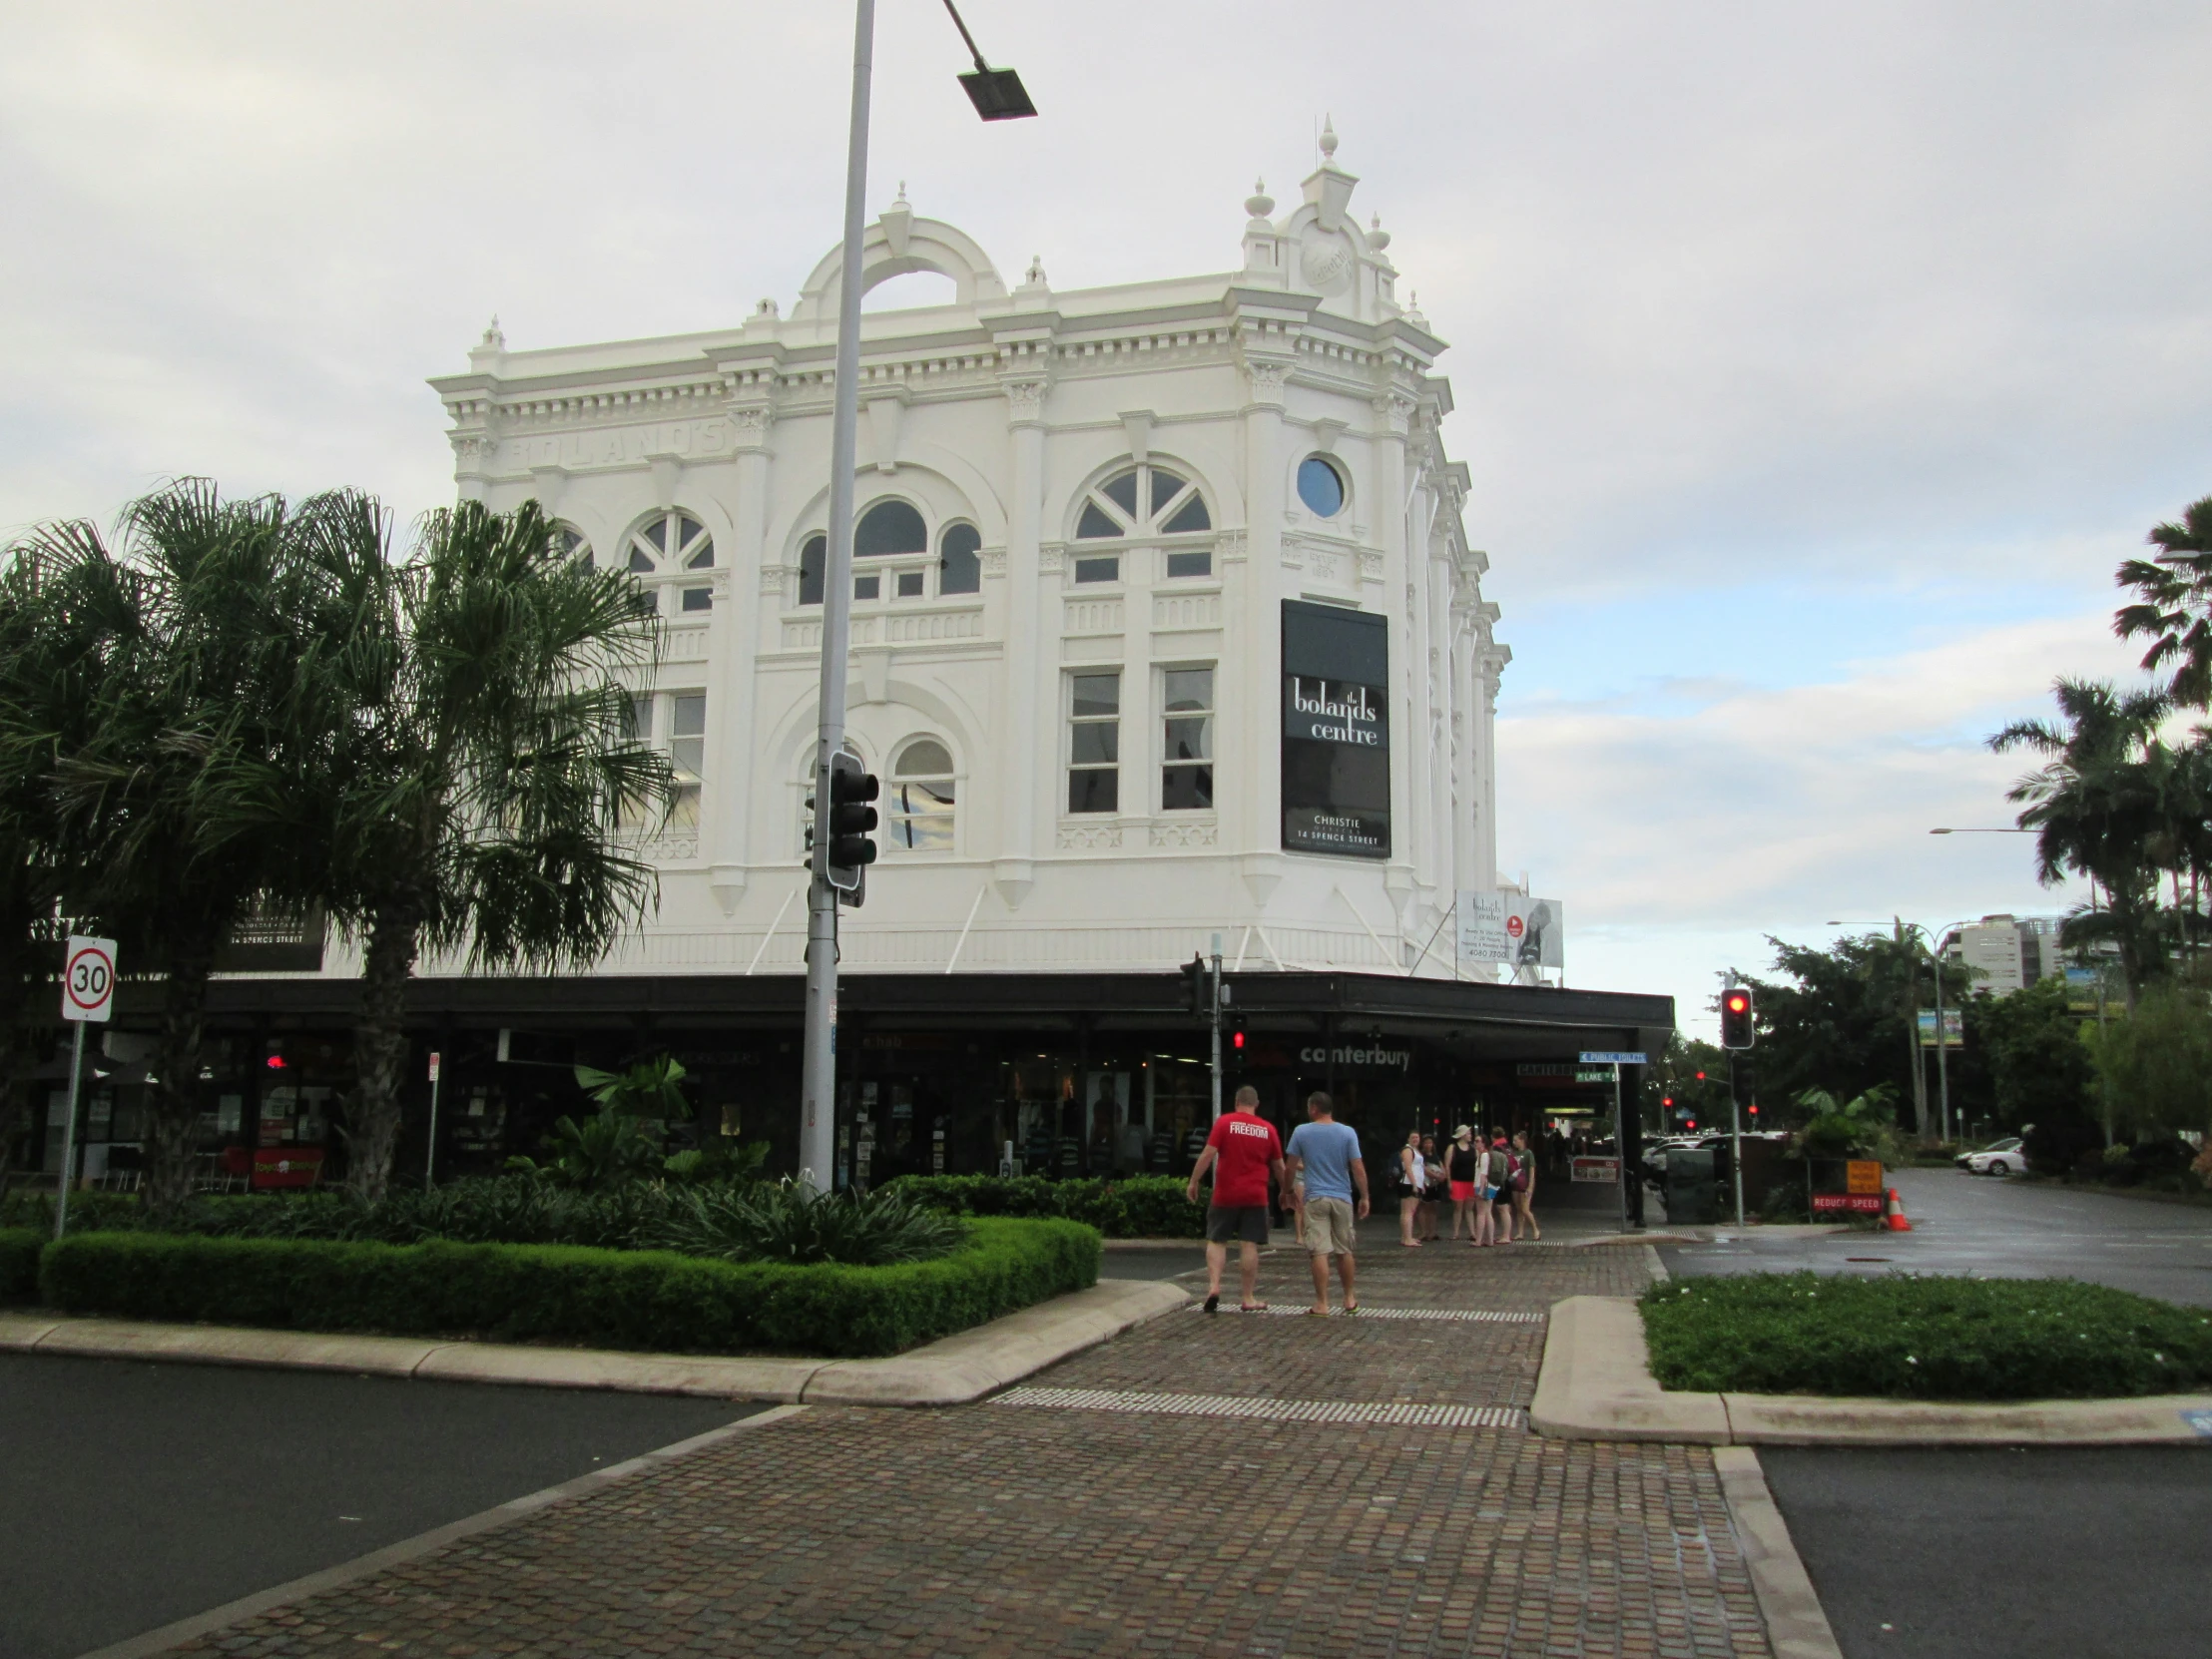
(997, 95)
(818, 1081)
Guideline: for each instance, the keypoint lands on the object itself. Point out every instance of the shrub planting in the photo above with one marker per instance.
(19, 1247)
(1922, 1337)
(1141, 1206)
(787, 1223)
(88, 1212)
(635, 1299)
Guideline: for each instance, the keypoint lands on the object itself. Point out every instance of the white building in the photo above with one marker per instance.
(2007, 952)
(1082, 514)
(1166, 627)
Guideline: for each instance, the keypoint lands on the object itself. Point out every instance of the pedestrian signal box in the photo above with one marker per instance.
(1736, 1020)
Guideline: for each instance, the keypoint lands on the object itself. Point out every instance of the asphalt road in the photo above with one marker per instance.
(1999, 1554)
(137, 1494)
(1975, 1225)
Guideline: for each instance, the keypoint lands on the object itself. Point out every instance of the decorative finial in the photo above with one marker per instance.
(1035, 275)
(901, 190)
(1413, 309)
(1378, 237)
(492, 337)
(1259, 203)
(766, 308)
(1328, 138)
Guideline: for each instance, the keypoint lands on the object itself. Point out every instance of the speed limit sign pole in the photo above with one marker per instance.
(88, 993)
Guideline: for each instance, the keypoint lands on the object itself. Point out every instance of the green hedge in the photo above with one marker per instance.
(1141, 1206)
(19, 1247)
(88, 1212)
(1922, 1337)
(648, 1300)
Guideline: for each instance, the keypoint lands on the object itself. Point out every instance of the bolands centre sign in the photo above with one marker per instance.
(1335, 731)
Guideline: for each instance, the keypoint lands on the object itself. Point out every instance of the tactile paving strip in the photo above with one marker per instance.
(1488, 1316)
(1269, 1411)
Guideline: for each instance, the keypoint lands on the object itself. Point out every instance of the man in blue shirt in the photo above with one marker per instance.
(1326, 1154)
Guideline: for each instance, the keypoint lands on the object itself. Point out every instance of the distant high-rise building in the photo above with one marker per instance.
(2006, 952)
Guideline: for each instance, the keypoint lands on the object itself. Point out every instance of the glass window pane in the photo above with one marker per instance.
(1094, 792)
(703, 558)
(1098, 570)
(685, 813)
(688, 756)
(812, 559)
(1095, 743)
(925, 760)
(909, 584)
(1164, 488)
(640, 563)
(1191, 740)
(1190, 564)
(1122, 492)
(1097, 694)
(1094, 524)
(1187, 788)
(959, 565)
(1190, 687)
(889, 527)
(1189, 518)
(867, 587)
(698, 599)
(657, 533)
(690, 715)
(574, 546)
(1321, 488)
(688, 530)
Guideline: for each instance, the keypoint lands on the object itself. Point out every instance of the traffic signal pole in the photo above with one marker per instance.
(817, 1140)
(1213, 1019)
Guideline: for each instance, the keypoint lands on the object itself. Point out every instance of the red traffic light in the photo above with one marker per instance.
(1701, 1077)
(1235, 1039)
(1754, 1111)
(276, 1062)
(1692, 1124)
(1736, 1020)
(1666, 1100)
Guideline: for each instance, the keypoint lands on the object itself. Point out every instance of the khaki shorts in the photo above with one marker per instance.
(1328, 1227)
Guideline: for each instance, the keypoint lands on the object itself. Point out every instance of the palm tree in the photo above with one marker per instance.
(197, 664)
(475, 762)
(59, 616)
(2099, 807)
(2175, 610)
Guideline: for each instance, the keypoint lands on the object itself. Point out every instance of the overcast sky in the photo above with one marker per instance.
(1816, 363)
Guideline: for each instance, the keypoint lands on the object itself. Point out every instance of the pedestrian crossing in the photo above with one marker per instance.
(1401, 1414)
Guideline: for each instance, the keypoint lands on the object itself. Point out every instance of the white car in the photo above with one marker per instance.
(1998, 1158)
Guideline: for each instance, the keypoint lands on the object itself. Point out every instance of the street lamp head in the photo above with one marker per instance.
(997, 94)
(1938, 831)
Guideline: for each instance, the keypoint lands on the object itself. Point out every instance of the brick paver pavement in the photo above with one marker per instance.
(1000, 1530)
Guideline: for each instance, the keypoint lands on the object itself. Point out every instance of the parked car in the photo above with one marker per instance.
(1998, 1158)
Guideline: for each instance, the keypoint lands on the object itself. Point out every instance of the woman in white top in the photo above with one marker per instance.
(1413, 1183)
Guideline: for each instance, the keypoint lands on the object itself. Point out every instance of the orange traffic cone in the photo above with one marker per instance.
(1896, 1214)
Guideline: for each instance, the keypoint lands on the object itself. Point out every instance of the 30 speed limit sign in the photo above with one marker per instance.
(88, 979)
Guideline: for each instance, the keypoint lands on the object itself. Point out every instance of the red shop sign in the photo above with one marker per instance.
(1868, 1204)
(287, 1166)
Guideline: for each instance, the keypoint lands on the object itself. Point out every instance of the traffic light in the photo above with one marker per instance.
(1194, 986)
(1736, 1024)
(1236, 1032)
(852, 823)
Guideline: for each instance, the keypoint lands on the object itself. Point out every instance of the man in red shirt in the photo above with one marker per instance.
(1247, 1151)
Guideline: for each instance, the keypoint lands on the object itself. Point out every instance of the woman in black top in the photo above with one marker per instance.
(1460, 1167)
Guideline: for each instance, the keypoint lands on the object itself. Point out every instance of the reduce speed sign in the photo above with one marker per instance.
(88, 979)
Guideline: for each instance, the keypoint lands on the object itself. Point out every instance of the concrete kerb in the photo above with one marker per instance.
(421, 1544)
(950, 1372)
(1797, 1628)
(1596, 1385)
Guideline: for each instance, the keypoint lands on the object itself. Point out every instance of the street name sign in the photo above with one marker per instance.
(88, 979)
(1606, 1057)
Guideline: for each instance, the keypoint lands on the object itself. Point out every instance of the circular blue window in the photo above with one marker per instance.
(1320, 487)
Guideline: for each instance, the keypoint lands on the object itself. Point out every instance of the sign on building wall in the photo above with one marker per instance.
(1336, 731)
(1512, 928)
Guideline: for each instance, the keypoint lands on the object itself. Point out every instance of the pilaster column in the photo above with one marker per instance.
(1251, 813)
(734, 643)
(1027, 769)
(1405, 601)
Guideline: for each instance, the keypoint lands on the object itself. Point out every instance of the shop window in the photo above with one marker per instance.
(960, 560)
(1094, 743)
(922, 795)
(1187, 770)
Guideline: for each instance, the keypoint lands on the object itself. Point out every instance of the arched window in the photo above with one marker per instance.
(669, 542)
(813, 558)
(1143, 502)
(921, 798)
(889, 528)
(572, 544)
(960, 560)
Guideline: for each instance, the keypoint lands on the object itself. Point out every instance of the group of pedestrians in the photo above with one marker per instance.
(1322, 1180)
(1491, 1188)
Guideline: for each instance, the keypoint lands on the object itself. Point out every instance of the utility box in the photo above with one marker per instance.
(1693, 1192)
